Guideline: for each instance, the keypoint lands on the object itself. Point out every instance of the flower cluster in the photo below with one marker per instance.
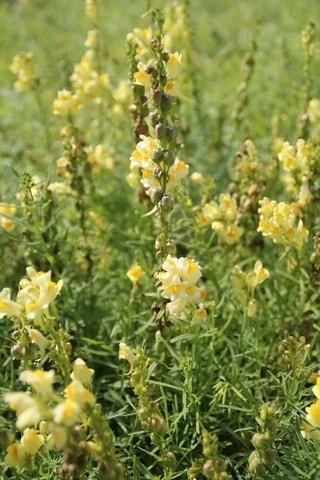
(23, 66)
(146, 71)
(100, 157)
(178, 278)
(66, 104)
(278, 221)
(223, 218)
(245, 284)
(44, 416)
(175, 25)
(91, 9)
(36, 294)
(86, 81)
(148, 162)
(297, 171)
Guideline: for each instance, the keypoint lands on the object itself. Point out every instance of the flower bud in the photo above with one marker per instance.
(6, 438)
(158, 172)
(171, 248)
(270, 435)
(220, 465)
(157, 155)
(256, 466)
(158, 425)
(155, 195)
(208, 468)
(169, 460)
(168, 157)
(166, 203)
(157, 98)
(259, 441)
(166, 103)
(143, 413)
(170, 133)
(154, 118)
(160, 131)
(268, 456)
(16, 351)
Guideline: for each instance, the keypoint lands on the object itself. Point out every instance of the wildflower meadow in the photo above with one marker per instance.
(160, 240)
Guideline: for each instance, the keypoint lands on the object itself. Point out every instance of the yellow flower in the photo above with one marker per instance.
(259, 275)
(28, 410)
(31, 441)
(76, 392)
(23, 66)
(92, 39)
(200, 314)
(57, 438)
(40, 380)
(173, 65)
(37, 293)
(277, 221)
(38, 339)
(91, 9)
(178, 278)
(8, 307)
(135, 273)
(313, 414)
(316, 388)
(125, 353)
(67, 412)
(16, 455)
(81, 372)
(7, 211)
(66, 104)
(59, 189)
(100, 157)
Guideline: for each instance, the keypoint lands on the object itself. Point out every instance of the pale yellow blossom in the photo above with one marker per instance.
(66, 105)
(16, 455)
(135, 273)
(31, 441)
(7, 212)
(81, 372)
(40, 380)
(258, 275)
(125, 353)
(178, 278)
(8, 307)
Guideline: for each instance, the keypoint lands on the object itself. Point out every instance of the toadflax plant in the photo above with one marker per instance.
(57, 412)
